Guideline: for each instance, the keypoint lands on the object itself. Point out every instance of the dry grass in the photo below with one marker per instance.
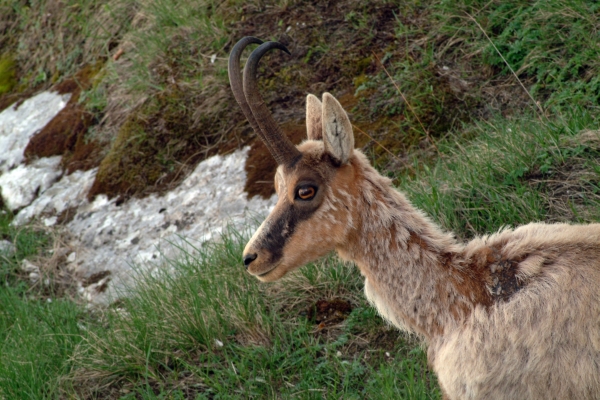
(571, 188)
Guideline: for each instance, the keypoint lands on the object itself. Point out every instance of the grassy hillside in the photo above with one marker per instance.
(153, 99)
(484, 113)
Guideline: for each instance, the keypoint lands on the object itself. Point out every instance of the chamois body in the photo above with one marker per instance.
(514, 315)
(540, 339)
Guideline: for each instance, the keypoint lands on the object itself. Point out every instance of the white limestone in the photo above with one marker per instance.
(20, 185)
(7, 249)
(137, 234)
(69, 192)
(140, 233)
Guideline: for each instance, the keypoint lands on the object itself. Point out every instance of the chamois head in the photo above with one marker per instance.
(309, 220)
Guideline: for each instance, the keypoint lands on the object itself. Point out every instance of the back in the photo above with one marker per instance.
(542, 342)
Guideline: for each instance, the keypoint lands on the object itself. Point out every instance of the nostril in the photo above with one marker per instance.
(248, 258)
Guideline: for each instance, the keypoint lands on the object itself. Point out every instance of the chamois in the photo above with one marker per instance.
(513, 315)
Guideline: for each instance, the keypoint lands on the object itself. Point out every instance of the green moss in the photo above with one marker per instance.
(126, 166)
(364, 63)
(155, 145)
(359, 81)
(7, 73)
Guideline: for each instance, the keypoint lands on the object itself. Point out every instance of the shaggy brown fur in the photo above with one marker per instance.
(514, 315)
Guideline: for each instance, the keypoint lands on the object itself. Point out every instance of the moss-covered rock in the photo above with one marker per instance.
(158, 145)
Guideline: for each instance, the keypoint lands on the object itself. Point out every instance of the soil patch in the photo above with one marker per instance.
(6, 100)
(66, 215)
(327, 313)
(65, 134)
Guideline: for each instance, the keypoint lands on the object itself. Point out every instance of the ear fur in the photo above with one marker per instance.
(314, 113)
(337, 129)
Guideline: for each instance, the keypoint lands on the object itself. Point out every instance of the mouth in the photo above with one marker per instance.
(266, 273)
(267, 276)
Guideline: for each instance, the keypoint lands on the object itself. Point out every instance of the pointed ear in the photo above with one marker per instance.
(314, 113)
(337, 129)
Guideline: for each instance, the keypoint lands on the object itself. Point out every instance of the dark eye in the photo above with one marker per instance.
(306, 192)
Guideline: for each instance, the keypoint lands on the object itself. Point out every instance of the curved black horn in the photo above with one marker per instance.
(237, 87)
(280, 146)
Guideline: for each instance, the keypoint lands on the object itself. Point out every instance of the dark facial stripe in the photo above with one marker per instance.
(282, 227)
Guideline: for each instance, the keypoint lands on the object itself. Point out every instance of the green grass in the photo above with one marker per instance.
(218, 332)
(509, 173)
(177, 40)
(453, 63)
(51, 41)
(37, 338)
(37, 333)
(553, 45)
(27, 242)
(7, 74)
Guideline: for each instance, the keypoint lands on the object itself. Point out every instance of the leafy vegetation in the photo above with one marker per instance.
(553, 46)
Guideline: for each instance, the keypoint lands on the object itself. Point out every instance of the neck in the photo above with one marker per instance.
(415, 274)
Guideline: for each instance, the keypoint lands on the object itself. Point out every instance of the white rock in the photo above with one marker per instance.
(19, 124)
(69, 192)
(50, 221)
(34, 277)
(32, 269)
(7, 248)
(137, 234)
(140, 233)
(28, 266)
(20, 185)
